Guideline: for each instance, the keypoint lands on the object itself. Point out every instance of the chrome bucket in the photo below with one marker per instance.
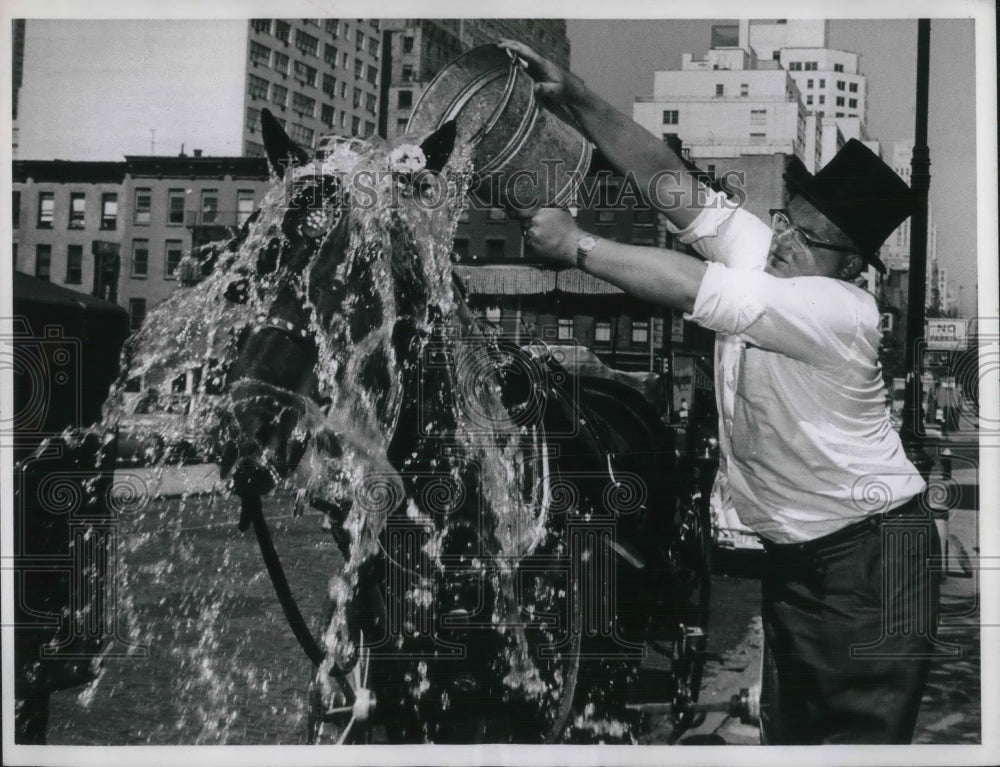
(525, 153)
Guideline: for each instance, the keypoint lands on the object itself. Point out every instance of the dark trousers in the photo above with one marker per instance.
(849, 632)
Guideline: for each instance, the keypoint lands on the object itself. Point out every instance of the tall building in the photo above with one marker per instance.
(415, 50)
(763, 87)
(318, 76)
(17, 77)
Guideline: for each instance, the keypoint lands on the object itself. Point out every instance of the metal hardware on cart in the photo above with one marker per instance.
(745, 705)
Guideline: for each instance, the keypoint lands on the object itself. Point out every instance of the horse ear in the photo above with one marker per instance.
(437, 147)
(281, 151)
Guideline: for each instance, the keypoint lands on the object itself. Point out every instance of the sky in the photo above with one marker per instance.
(91, 113)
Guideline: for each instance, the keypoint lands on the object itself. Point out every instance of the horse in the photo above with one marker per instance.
(500, 519)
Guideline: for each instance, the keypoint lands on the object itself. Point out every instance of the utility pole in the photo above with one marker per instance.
(920, 183)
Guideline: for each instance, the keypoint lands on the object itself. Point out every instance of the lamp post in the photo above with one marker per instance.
(920, 183)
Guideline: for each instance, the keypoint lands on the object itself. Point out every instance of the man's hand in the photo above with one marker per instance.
(551, 81)
(552, 233)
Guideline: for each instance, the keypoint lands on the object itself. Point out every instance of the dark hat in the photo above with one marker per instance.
(859, 193)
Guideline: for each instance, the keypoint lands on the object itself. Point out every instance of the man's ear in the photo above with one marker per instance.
(851, 267)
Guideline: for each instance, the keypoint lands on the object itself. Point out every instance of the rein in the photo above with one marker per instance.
(252, 513)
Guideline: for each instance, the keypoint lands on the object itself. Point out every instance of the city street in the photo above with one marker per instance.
(197, 586)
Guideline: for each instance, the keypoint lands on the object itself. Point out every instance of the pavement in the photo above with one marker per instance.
(170, 481)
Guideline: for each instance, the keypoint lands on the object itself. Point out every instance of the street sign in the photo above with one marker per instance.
(946, 333)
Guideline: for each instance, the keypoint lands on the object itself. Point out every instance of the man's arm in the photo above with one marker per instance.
(665, 181)
(662, 277)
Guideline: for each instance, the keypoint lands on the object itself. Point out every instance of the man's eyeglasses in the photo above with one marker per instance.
(781, 223)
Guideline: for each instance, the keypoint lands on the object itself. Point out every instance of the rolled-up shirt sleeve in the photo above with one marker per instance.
(726, 234)
(813, 319)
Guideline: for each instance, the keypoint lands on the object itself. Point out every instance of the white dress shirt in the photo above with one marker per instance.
(806, 442)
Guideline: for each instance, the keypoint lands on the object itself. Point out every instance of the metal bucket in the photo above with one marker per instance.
(525, 154)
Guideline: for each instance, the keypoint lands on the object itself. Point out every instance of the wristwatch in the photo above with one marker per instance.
(583, 248)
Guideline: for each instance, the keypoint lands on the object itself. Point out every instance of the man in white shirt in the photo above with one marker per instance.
(808, 455)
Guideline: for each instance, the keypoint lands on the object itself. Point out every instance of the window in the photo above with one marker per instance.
(175, 207)
(602, 332)
(330, 86)
(355, 126)
(372, 75)
(261, 25)
(564, 332)
(343, 89)
(306, 43)
(744, 89)
(809, 83)
(259, 54)
(811, 66)
(109, 210)
(408, 44)
(373, 46)
(758, 116)
(852, 87)
(370, 103)
(359, 69)
(407, 75)
(282, 30)
(255, 149)
(244, 205)
(404, 99)
(852, 103)
(794, 66)
(209, 206)
(327, 113)
(46, 209)
(495, 249)
(331, 26)
(809, 100)
(15, 208)
(172, 258)
(280, 63)
(757, 138)
(143, 204)
(305, 73)
(345, 60)
(356, 101)
(303, 105)
(720, 89)
(330, 55)
(838, 67)
(840, 85)
(301, 134)
(43, 261)
(840, 101)
(839, 114)
(670, 116)
(279, 95)
(140, 258)
(401, 126)
(77, 209)
(822, 99)
(822, 83)
(136, 313)
(257, 87)
(640, 332)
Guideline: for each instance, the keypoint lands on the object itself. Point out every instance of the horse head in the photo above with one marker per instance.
(345, 263)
